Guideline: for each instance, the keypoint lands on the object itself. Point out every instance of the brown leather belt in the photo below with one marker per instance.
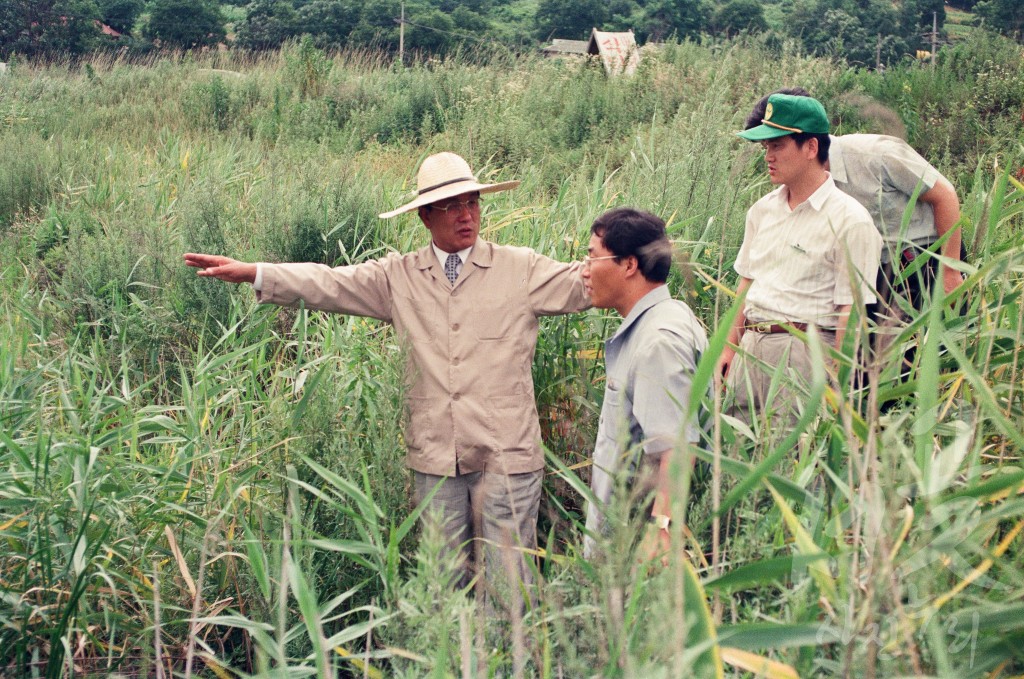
(767, 328)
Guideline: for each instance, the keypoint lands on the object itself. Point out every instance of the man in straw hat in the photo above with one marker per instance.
(467, 311)
(810, 253)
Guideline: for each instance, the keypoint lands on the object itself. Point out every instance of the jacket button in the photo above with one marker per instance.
(456, 396)
(455, 326)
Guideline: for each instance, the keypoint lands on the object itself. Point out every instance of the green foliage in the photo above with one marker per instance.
(328, 21)
(376, 27)
(978, 84)
(27, 176)
(739, 15)
(308, 67)
(432, 31)
(186, 24)
(329, 226)
(180, 464)
(267, 24)
(928, 10)
(120, 14)
(1005, 16)
(212, 102)
(48, 27)
(679, 19)
(569, 19)
(863, 32)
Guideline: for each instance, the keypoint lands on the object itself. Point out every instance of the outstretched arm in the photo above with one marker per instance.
(223, 268)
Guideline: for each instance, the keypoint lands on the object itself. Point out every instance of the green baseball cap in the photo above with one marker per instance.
(789, 114)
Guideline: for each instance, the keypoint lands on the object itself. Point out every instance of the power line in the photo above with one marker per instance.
(466, 36)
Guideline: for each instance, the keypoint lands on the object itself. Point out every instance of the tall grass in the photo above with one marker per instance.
(193, 484)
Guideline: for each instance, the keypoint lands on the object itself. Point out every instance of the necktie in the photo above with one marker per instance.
(451, 268)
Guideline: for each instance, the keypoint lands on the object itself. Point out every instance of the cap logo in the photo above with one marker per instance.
(768, 111)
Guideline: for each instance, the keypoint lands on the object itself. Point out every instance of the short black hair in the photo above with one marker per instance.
(824, 143)
(628, 232)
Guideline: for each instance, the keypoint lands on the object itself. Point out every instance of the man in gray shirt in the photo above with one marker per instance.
(650, 362)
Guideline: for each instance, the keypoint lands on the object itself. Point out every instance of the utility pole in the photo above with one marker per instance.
(933, 38)
(401, 37)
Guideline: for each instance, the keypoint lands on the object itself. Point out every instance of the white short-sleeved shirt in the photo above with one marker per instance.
(883, 173)
(799, 259)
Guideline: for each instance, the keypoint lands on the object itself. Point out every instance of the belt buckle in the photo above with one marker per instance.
(763, 327)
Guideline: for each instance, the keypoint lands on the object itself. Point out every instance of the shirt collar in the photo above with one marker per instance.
(442, 256)
(658, 294)
(817, 199)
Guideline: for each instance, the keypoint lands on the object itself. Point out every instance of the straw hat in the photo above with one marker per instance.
(444, 175)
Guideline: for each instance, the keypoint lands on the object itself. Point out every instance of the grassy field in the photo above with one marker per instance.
(194, 484)
(959, 23)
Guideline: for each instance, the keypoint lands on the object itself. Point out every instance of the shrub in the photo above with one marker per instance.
(27, 175)
(186, 24)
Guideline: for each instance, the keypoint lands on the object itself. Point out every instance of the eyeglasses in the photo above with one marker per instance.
(588, 259)
(457, 205)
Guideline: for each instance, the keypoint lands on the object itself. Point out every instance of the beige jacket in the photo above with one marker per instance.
(470, 401)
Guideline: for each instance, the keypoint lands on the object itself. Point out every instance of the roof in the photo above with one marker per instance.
(618, 51)
(107, 30)
(559, 46)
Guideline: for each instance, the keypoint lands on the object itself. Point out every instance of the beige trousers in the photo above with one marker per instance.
(487, 519)
(757, 394)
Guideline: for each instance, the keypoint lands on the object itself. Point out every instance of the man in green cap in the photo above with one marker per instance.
(810, 253)
(888, 177)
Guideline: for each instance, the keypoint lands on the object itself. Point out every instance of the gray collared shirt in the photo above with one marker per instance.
(650, 362)
(883, 173)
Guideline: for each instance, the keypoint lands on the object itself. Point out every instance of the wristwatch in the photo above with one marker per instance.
(661, 521)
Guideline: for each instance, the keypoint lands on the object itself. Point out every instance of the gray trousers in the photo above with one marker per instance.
(488, 519)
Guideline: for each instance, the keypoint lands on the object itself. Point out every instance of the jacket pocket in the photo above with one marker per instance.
(613, 416)
(416, 319)
(423, 424)
(513, 423)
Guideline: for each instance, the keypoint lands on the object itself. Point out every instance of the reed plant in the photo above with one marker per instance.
(195, 484)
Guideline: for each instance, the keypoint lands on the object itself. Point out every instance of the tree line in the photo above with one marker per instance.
(866, 32)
